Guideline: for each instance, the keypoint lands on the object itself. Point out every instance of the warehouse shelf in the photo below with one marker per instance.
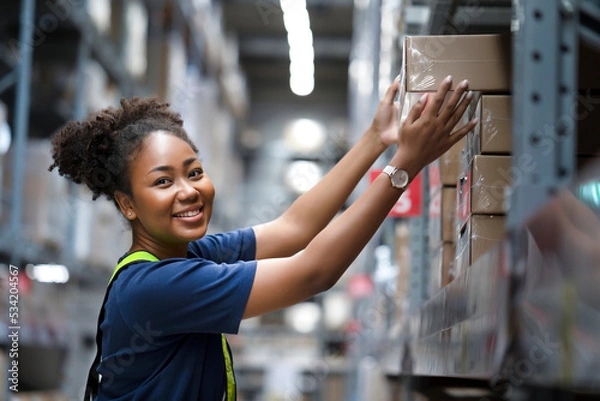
(525, 317)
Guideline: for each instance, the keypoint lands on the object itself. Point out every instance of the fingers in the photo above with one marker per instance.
(390, 94)
(455, 114)
(464, 130)
(438, 98)
(416, 110)
(454, 100)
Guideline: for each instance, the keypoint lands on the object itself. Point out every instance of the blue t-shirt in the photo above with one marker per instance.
(163, 321)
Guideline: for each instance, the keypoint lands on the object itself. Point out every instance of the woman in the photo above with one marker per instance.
(161, 324)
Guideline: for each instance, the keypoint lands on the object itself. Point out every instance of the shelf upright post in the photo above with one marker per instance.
(544, 130)
(78, 113)
(22, 101)
(545, 51)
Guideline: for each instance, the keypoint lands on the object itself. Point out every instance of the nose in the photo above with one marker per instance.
(187, 191)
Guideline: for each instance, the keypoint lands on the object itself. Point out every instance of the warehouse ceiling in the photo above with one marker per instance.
(264, 50)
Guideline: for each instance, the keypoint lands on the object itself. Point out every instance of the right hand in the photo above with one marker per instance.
(427, 133)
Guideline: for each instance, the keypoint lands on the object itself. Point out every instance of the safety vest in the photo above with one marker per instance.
(91, 388)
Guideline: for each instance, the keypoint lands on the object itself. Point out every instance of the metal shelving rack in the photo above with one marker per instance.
(513, 325)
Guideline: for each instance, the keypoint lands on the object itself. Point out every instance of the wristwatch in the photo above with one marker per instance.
(398, 177)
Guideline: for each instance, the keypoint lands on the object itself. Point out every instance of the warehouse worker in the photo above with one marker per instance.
(178, 289)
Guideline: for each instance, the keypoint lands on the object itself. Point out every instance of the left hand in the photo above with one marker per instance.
(386, 121)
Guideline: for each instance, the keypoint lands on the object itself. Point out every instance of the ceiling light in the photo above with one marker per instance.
(48, 273)
(302, 175)
(300, 39)
(303, 317)
(305, 136)
(302, 85)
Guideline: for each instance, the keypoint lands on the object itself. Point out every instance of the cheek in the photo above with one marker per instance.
(210, 192)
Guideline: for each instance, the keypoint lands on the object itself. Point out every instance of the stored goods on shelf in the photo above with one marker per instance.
(442, 212)
(483, 187)
(442, 267)
(479, 234)
(482, 59)
(493, 133)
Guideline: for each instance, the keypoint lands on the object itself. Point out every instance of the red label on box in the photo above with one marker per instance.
(410, 203)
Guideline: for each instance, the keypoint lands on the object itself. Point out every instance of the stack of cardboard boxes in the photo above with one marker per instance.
(457, 238)
(469, 185)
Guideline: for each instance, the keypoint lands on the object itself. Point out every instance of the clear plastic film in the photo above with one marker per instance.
(493, 134)
(484, 187)
(491, 178)
(482, 59)
(442, 267)
(480, 234)
(560, 301)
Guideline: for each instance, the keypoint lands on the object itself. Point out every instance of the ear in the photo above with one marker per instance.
(125, 205)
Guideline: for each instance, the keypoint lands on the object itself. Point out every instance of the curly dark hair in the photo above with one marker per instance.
(98, 150)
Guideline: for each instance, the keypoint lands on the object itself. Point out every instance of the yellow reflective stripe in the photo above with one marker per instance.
(147, 256)
(134, 257)
(231, 390)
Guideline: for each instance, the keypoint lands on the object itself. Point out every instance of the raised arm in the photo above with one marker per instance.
(312, 211)
(424, 137)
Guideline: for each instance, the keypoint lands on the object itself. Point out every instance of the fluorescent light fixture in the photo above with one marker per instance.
(302, 85)
(48, 273)
(292, 5)
(300, 39)
(299, 68)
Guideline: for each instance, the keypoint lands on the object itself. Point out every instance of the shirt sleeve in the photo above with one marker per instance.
(178, 296)
(227, 247)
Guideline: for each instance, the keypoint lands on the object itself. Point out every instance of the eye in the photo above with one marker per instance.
(196, 173)
(162, 182)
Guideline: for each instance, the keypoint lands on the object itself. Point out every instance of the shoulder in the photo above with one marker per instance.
(225, 247)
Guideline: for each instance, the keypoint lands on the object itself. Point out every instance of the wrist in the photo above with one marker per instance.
(374, 138)
(406, 161)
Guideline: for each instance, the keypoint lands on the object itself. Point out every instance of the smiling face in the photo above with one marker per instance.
(171, 196)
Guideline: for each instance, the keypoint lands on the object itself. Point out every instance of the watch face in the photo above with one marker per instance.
(400, 178)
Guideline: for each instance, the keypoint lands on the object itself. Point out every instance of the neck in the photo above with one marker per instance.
(161, 251)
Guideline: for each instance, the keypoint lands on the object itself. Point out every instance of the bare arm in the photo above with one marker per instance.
(283, 282)
(312, 211)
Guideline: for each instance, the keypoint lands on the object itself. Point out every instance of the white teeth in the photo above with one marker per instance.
(191, 213)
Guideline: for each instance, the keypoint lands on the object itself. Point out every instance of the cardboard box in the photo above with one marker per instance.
(493, 134)
(482, 189)
(446, 170)
(479, 235)
(485, 60)
(442, 267)
(442, 212)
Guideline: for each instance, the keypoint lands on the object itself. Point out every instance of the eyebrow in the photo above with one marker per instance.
(186, 163)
